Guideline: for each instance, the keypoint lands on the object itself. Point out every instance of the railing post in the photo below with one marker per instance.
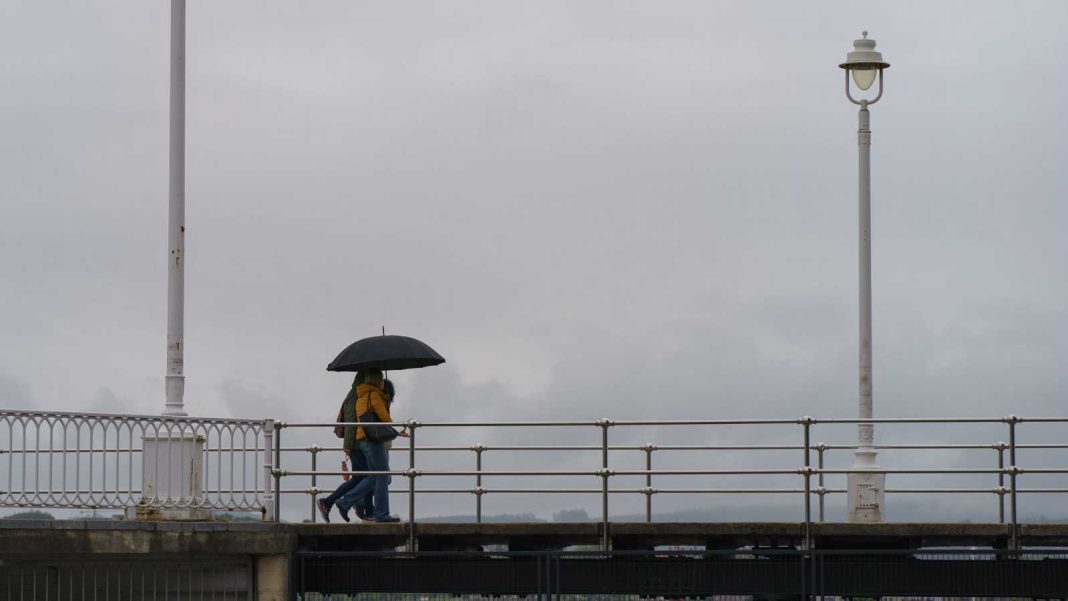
(268, 469)
(1000, 448)
(277, 472)
(806, 424)
(1014, 539)
(807, 575)
(412, 425)
(605, 423)
(821, 491)
(478, 449)
(314, 450)
(649, 448)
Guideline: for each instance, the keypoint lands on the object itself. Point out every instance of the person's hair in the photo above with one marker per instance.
(389, 389)
(373, 377)
(358, 379)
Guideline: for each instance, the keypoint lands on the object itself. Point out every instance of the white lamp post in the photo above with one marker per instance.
(175, 375)
(866, 490)
(172, 457)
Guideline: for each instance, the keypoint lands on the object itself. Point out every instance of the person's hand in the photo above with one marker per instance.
(404, 432)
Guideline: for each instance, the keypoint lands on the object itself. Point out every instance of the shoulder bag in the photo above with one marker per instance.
(375, 433)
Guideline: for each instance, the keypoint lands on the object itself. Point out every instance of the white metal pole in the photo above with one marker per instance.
(866, 491)
(175, 378)
(865, 432)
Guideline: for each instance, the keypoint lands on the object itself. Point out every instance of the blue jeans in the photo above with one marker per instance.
(377, 461)
(359, 464)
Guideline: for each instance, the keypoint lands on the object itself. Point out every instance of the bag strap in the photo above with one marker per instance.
(356, 406)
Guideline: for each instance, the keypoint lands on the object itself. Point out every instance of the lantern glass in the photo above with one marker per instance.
(863, 77)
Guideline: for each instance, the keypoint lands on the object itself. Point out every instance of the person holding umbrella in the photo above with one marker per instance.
(370, 357)
(356, 458)
(372, 405)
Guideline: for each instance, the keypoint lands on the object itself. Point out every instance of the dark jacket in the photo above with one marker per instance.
(348, 414)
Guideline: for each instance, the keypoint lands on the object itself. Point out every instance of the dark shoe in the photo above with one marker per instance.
(365, 515)
(344, 513)
(389, 519)
(324, 509)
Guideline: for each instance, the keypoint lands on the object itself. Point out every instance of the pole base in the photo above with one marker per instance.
(174, 390)
(867, 494)
(172, 473)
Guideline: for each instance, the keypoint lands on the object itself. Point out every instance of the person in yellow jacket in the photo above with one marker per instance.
(364, 506)
(370, 396)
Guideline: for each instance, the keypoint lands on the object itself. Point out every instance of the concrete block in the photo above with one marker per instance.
(256, 527)
(170, 514)
(111, 542)
(69, 525)
(118, 525)
(35, 524)
(272, 578)
(319, 529)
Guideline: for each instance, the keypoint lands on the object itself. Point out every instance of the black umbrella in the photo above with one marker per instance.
(386, 353)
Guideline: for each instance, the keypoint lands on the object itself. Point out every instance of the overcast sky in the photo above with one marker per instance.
(623, 209)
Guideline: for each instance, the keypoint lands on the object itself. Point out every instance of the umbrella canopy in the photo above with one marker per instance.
(386, 353)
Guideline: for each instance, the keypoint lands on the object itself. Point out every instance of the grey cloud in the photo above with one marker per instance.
(14, 394)
(245, 399)
(107, 401)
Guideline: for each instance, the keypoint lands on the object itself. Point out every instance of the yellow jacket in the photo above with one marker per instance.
(373, 395)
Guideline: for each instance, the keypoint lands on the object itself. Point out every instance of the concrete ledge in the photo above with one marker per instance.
(60, 538)
(1047, 535)
(910, 529)
(909, 535)
(712, 535)
(443, 536)
(356, 536)
(76, 537)
(531, 536)
(5, 524)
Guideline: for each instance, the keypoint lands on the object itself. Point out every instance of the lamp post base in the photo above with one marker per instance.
(174, 391)
(867, 491)
(172, 473)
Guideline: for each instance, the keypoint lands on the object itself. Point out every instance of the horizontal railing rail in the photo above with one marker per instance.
(812, 473)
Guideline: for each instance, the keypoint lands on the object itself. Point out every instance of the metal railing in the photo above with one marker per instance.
(821, 449)
(810, 477)
(99, 461)
(68, 460)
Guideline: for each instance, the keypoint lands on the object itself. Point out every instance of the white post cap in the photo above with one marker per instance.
(864, 55)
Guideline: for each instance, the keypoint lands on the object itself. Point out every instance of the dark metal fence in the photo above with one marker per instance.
(134, 579)
(788, 573)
